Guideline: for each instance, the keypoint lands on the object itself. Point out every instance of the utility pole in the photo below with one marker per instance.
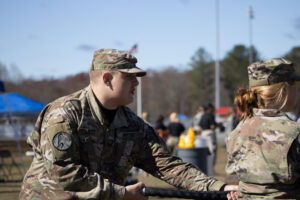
(217, 62)
(250, 35)
(139, 97)
(134, 50)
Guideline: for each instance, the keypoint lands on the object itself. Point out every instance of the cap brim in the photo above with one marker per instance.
(134, 70)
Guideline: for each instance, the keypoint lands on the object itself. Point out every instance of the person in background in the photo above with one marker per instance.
(236, 119)
(232, 121)
(208, 125)
(298, 115)
(145, 117)
(176, 128)
(197, 119)
(161, 129)
(264, 149)
(86, 143)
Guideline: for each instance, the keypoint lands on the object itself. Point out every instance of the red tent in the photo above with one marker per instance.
(225, 110)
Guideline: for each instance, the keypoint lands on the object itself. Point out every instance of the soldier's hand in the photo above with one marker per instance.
(133, 192)
(233, 195)
(231, 187)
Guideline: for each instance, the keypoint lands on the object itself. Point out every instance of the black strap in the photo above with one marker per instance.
(176, 193)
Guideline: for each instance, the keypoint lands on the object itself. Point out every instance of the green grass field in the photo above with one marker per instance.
(9, 190)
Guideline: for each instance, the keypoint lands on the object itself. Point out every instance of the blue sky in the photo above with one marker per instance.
(56, 38)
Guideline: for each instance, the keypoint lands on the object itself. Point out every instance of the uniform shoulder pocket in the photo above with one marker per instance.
(59, 141)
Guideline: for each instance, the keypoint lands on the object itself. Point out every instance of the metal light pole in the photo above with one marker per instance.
(250, 35)
(217, 62)
(139, 97)
(134, 50)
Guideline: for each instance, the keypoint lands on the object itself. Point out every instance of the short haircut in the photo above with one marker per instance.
(96, 74)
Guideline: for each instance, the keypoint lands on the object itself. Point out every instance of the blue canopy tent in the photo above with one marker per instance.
(19, 106)
(182, 117)
(13, 105)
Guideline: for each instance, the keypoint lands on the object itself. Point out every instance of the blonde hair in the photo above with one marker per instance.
(173, 117)
(270, 96)
(145, 116)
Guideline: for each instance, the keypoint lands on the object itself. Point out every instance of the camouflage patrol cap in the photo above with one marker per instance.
(271, 71)
(113, 59)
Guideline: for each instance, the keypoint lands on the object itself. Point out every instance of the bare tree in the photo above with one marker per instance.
(3, 72)
(164, 92)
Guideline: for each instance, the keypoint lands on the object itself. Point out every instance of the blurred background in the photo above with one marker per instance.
(196, 52)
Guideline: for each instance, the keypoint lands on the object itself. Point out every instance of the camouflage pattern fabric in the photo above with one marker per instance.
(113, 59)
(78, 156)
(271, 71)
(260, 154)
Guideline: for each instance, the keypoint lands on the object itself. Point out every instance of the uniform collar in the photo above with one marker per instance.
(120, 117)
(268, 112)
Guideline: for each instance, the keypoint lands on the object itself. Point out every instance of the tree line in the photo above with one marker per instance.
(163, 91)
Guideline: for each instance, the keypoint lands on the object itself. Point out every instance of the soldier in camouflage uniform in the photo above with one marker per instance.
(86, 143)
(264, 149)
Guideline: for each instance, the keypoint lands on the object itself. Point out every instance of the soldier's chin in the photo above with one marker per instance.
(131, 101)
(128, 101)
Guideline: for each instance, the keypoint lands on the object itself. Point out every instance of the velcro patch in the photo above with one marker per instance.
(62, 141)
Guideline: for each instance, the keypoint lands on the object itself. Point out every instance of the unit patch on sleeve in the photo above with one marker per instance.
(62, 141)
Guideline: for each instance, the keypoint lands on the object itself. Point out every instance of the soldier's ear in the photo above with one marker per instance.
(106, 78)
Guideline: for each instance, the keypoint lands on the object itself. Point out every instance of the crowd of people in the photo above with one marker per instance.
(203, 123)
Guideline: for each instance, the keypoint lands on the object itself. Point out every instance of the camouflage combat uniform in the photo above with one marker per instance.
(77, 156)
(265, 155)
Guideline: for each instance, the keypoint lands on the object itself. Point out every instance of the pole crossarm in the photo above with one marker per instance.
(186, 194)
